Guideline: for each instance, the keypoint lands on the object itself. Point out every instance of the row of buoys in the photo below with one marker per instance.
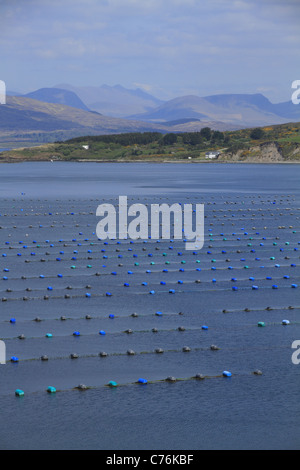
(140, 381)
(129, 352)
(154, 330)
(150, 255)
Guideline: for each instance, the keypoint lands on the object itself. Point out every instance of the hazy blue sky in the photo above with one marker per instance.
(167, 47)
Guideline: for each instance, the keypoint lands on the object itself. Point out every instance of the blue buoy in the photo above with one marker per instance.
(142, 381)
(226, 373)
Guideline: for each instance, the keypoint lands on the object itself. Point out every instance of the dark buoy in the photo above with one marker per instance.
(199, 377)
(81, 387)
(159, 350)
(171, 379)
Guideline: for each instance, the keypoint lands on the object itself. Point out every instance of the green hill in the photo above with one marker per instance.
(272, 144)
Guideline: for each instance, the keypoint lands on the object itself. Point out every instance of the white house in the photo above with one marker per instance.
(212, 155)
(86, 147)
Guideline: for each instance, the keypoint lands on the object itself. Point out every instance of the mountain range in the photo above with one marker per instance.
(114, 101)
(65, 111)
(235, 109)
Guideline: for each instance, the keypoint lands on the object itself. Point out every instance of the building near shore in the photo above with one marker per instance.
(212, 155)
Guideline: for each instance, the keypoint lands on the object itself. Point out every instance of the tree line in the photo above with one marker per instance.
(137, 138)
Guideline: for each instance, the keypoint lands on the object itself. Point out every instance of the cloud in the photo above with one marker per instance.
(171, 44)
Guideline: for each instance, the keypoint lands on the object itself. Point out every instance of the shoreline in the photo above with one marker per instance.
(198, 162)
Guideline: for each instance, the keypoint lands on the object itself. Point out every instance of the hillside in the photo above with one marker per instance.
(272, 144)
(32, 121)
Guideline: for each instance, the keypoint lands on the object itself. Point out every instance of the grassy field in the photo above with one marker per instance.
(276, 143)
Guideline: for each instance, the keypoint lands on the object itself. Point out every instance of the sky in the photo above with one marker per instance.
(168, 48)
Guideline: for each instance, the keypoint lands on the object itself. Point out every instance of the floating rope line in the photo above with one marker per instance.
(139, 382)
(172, 291)
(156, 352)
(161, 330)
(165, 314)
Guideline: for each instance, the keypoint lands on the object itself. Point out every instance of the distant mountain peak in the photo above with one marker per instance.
(57, 96)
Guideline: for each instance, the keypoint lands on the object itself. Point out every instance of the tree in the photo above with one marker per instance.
(257, 134)
(218, 136)
(169, 139)
(206, 133)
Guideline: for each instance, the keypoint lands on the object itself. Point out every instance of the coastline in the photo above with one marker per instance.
(185, 162)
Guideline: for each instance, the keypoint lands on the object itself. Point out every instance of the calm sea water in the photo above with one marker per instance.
(53, 265)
